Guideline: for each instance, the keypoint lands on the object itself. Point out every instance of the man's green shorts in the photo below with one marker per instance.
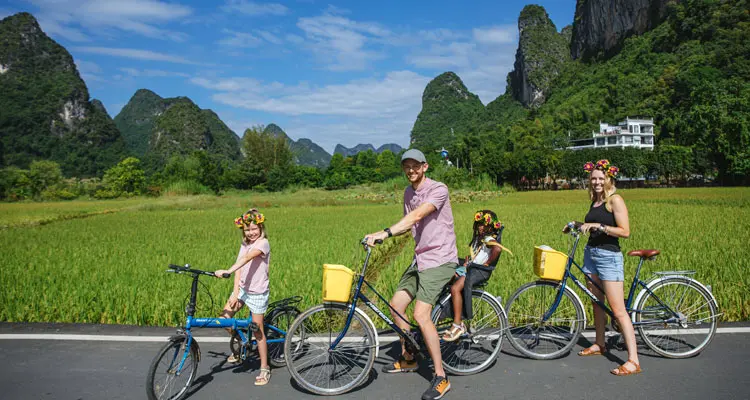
(426, 285)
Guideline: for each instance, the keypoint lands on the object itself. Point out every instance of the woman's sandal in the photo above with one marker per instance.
(622, 371)
(454, 332)
(589, 351)
(263, 377)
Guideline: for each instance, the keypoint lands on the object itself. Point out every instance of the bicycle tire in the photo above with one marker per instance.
(171, 353)
(283, 320)
(549, 339)
(696, 308)
(321, 324)
(467, 355)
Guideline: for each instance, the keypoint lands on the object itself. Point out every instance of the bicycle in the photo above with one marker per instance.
(175, 366)
(331, 347)
(675, 315)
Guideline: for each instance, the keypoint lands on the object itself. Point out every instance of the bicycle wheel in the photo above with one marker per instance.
(686, 334)
(320, 370)
(164, 382)
(543, 340)
(283, 321)
(474, 351)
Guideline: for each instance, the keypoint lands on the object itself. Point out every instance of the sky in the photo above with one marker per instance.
(336, 72)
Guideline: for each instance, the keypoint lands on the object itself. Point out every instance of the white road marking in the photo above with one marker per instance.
(216, 339)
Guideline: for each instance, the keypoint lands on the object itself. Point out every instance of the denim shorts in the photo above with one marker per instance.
(605, 263)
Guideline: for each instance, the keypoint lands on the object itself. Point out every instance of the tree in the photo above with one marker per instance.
(266, 149)
(127, 177)
(44, 174)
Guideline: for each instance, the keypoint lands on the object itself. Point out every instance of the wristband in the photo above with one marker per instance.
(388, 231)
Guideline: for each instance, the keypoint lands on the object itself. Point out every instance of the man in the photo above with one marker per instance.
(428, 214)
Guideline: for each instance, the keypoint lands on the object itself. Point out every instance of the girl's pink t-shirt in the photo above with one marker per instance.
(254, 278)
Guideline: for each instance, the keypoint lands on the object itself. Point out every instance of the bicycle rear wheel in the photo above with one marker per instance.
(283, 321)
(474, 351)
(685, 334)
(538, 339)
(314, 365)
(164, 381)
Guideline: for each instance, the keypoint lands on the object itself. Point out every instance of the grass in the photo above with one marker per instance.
(103, 261)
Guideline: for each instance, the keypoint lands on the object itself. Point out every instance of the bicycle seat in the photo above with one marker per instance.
(644, 253)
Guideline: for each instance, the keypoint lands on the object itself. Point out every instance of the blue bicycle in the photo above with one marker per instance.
(175, 366)
(675, 315)
(331, 347)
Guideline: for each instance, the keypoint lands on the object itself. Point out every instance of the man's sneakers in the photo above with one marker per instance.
(438, 388)
(402, 365)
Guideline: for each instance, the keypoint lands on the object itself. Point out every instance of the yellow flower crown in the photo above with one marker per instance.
(249, 218)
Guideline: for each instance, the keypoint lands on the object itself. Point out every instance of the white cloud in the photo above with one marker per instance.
(253, 8)
(240, 39)
(133, 53)
(374, 111)
(482, 59)
(504, 34)
(342, 43)
(152, 73)
(89, 71)
(63, 17)
(270, 37)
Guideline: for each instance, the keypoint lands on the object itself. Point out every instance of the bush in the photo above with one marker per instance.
(58, 194)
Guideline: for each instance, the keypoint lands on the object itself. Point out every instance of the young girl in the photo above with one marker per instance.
(476, 268)
(251, 284)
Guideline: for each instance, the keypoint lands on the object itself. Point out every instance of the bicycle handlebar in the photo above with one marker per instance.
(179, 269)
(364, 242)
(572, 227)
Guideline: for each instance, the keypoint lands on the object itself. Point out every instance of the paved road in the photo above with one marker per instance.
(88, 369)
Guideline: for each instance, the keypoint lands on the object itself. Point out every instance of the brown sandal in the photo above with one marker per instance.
(622, 371)
(589, 351)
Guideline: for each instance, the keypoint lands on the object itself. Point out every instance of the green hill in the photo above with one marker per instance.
(45, 108)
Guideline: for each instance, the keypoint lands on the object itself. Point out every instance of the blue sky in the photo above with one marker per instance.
(344, 72)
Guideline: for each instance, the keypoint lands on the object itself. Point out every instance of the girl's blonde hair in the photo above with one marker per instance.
(609, 190)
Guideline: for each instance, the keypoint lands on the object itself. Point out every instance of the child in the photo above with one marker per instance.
(251, 284)
(476, 268)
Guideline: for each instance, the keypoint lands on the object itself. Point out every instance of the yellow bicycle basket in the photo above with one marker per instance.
(549, 263)
(337, 283)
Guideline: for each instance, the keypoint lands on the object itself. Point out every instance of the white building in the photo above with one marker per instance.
(629, 133)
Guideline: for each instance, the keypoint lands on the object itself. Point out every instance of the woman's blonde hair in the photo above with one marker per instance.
(609, 189)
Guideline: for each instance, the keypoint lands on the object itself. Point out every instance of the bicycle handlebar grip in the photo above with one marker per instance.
(226, 275)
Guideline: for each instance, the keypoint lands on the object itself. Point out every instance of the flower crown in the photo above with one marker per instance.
(602, 165)
(486, 219)
(249, 218)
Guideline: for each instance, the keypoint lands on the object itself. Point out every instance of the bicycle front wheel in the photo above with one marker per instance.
(474, 351)
(677, 319)
(169, 378)
(530, 334)
(314, 365)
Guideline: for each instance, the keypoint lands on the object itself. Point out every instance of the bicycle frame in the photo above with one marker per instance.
(357, 296)
(233, 323)
(628, 301)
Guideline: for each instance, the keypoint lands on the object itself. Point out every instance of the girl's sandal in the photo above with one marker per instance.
(263, 377)
(589, 351)
(454, 333)
(623, 371)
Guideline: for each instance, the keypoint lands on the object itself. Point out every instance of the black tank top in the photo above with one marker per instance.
(597, 238)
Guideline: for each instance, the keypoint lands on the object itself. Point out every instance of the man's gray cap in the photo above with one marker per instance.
(414, 154)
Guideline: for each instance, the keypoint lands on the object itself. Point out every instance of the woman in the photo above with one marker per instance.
(606, 222)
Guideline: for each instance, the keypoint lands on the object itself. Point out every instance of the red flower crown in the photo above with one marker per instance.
(602, 165)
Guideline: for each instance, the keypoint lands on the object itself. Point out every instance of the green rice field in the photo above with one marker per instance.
(104, 261)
